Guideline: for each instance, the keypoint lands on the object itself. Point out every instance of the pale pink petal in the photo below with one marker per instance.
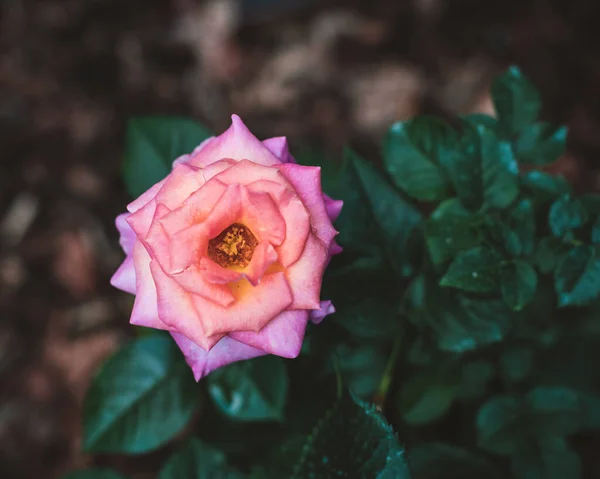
(279, 147)
(145, 312)
(185, 158)
(215, 273)
(237, 143)
(254, 308)
(307, 182)
(263, 257)
(334, 207)
(306, 274)
(145, 197)
(193, 280)
(261, 215)
(245, 172)
(124, 277)
(176, 308)
(181, 183)
(141, 219)
(225, 352)
(156, 240)
(127, 236)
(297, 219)
(209, 171)
(282, 336)
(187, 247)
(317, 315)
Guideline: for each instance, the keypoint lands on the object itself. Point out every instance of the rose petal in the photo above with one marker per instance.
(282, 336)
(295, 216)
(333, 207)
(263, 257)
(194, 280)
(254, 308)
(145, 197)
(237, 143)
(279, 147)
(127, 235)
(306, 274)
(185, 158)
(226, 351)
(176, 308)
(124, 277)
(317, 315)
(261, 215)
(215, 273)
(145, 312)
(307, 182)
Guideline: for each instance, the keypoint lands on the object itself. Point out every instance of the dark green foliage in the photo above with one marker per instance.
(467, 321)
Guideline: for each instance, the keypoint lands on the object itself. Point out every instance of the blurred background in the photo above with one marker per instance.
(322, 72)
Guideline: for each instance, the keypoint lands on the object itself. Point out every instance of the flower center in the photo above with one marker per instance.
(234, 246)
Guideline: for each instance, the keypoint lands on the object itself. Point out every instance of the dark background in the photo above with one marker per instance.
(322, 72)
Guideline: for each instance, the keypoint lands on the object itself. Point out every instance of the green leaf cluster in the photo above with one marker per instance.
(466, 333)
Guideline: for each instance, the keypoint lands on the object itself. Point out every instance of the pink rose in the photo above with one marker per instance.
(227, 253)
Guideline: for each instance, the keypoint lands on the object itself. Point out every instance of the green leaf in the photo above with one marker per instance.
(500, 171)
(566, 215)
(352, 440)
(556, 410)
(198, 461)
(93, 474)
(142, 397)
(577, 277)
(548, 253)
(449, 230)
(366, 299)
(153, 144)
(518, 285)
(544, 185)
(443, 461)
(516, 100)
(549, 458)
(475, 377)
(541, 144)
(254, 390)
(411, 154)
(476, 270)
(519, 231)
(427, 395)
(596, 231)
(461, 323)
(395, 217)
(516, 364)
(499, 425)
(362, 366)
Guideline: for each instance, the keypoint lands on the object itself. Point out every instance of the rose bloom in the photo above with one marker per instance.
(227, 253)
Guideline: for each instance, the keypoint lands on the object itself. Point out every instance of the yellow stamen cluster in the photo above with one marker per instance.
(234, 246)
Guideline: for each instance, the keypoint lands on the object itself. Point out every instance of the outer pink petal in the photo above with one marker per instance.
(307, 182)
(254, 308)
(283, 335)
(176, 308)
(279, 147)
(145, 312)
(181, 183)
(145, 197)
(317, 315)
(237, 143)
(185, 158)
(127, 236)
(225, 352)
(306, 274)
(334, 207)
(124, 277)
